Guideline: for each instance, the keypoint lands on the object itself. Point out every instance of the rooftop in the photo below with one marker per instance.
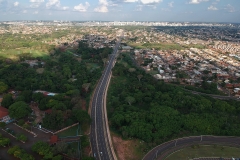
(3, 112)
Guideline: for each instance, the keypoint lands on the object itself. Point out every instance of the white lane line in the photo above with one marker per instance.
(96, 101)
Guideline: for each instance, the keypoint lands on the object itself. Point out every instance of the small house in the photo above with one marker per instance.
(4, 116)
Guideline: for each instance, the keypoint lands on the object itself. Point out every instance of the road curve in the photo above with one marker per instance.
(162, 151)
(100, 143)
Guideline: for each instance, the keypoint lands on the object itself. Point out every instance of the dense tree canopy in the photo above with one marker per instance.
(19, 110)
(154, 111)
(3, 87)
(7, 100)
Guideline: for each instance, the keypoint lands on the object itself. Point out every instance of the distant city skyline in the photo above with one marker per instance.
(122, 10)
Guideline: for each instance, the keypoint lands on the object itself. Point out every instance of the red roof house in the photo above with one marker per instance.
(53, 139)
(4, 117)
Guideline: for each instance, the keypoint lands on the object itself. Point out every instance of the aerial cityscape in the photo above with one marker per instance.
(119, 80)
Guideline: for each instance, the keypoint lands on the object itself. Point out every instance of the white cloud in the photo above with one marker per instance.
(170, 4)
(36, 12)
(24, 11)
(101, 9)
(81, 7)
(52, 3)
(103, 6)
(35, 5)
(36, 1)
(16, 4)
(230, 8)
(150, 1)
(103, 2)
(65, 8)
(197, 1)
(144, 1)
(130, 1)
(139, 8)
(212, 8)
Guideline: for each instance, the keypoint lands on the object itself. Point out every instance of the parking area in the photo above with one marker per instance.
(41, 136)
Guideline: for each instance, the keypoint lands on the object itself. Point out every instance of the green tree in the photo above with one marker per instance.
(4, 141)
(2, 124)
(60, 147)
(21, 137)
(81, 116)
(139, 77)
(43, 148)
(7, 100)
(3, 87)
(27, 95)
(130, 100)
(53, 120)
(13, 149)
(20, 122)
(58, 157)
(19, 110)
(37, 97)
(17, 152)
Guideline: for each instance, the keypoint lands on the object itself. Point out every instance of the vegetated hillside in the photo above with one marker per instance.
(72, 75)
(142, 107)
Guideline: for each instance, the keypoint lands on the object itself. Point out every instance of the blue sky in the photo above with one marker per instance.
(122, 10)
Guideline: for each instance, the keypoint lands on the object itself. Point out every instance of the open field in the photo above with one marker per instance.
(164, 46)
(205, 151)
(70, 132)
(92, 66)
(15, 54)
(159, 46)
(131, 149)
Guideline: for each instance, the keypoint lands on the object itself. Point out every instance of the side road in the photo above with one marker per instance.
(161, 151)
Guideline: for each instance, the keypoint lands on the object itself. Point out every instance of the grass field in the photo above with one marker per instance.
(15, 54)
(159, 46)
(70, 132)
(152, 72)
(164, 46)
(92, 66)
(130, 149)
(205, 151)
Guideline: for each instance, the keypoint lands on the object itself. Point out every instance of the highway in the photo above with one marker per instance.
(99, 137)
(162, 151)
(101, 141)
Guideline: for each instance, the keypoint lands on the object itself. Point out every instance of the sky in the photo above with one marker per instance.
(122, 10)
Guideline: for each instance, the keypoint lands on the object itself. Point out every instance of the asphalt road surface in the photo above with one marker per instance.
(99, 139)
(161, 151)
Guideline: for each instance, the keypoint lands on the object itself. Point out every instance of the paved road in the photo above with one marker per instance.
(99, 139)
(161, 151)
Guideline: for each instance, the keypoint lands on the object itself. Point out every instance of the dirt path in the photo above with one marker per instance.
(125, 149)
(83, 102)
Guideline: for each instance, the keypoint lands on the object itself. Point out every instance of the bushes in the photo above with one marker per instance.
(21, 137)
(18, 152)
